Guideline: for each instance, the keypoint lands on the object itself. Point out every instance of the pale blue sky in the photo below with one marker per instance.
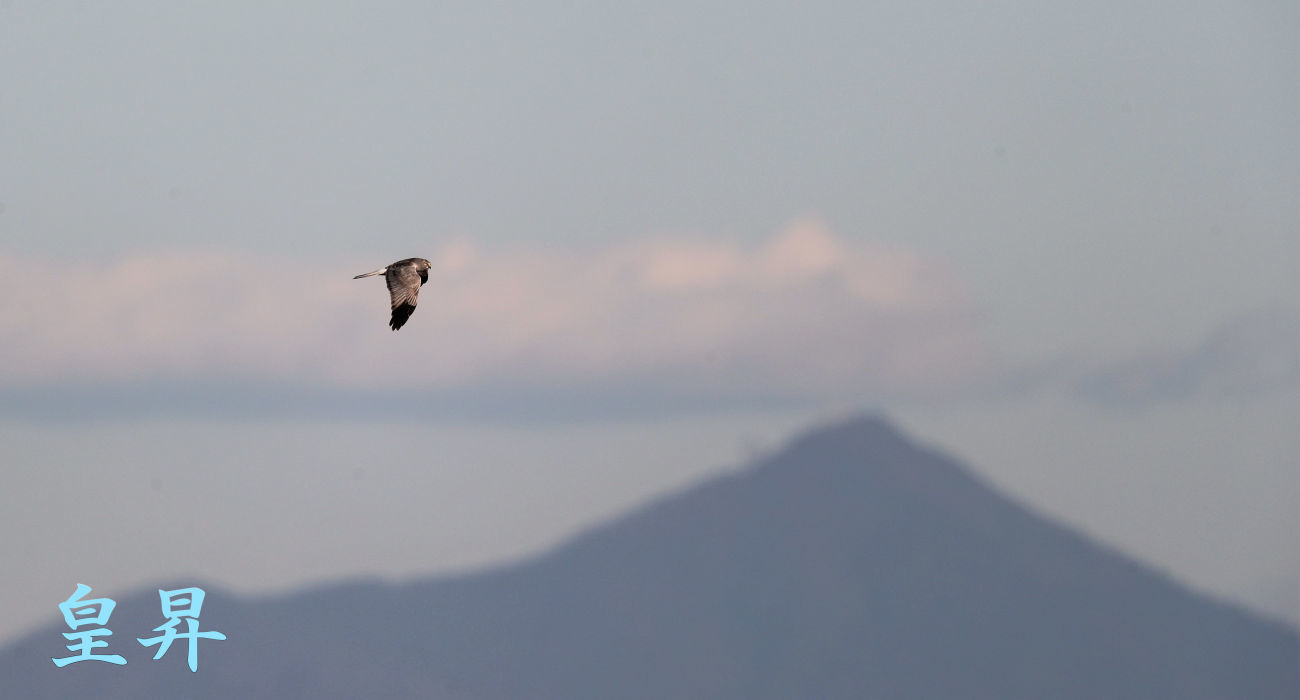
(1125, 173)
(1104, 195)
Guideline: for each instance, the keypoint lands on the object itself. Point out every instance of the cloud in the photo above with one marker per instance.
(1252, 354)
(806, 315)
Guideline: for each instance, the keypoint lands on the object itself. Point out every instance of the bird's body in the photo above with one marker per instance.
(404, 278)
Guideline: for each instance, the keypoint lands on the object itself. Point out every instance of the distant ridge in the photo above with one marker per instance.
(851, 564)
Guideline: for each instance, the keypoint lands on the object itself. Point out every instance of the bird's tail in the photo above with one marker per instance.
(380, 271)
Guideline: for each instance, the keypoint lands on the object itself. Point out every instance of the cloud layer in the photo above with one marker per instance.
(1254, 353)
(805, 315)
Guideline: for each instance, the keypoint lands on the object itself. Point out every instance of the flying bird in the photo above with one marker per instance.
(404, 279)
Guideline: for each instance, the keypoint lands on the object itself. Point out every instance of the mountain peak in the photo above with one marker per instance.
(860, 437)
(853, 563)
(868, 452)
(860, 430)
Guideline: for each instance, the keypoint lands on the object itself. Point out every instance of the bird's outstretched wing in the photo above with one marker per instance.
(404, 288)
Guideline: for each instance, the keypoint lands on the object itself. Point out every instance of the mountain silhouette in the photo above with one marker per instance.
(851, 564)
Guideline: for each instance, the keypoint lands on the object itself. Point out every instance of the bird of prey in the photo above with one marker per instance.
(404, 279)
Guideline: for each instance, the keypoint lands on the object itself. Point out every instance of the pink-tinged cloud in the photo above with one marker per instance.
(806, 314)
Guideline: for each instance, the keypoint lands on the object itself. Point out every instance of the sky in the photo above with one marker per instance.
(1055, 240)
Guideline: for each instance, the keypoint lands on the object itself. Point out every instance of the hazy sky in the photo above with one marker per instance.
(1057, 240)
